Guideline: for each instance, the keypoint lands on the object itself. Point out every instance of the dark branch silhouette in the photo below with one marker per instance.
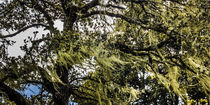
(21, 30)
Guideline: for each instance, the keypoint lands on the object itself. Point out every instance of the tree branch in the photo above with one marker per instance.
(91, 97)
(13, 75)
(92, 4)
(128, 50)
(124, 48)
(13, 95)
(112, 15)
(136, 1)
(21, 30)
(114, 6)
(39, 8)
(46, 14)
(182, 63)
(159, 45)
(142, 23)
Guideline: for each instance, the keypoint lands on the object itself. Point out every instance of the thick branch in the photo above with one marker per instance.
(21, 30)
(13, 95)
(48, 85)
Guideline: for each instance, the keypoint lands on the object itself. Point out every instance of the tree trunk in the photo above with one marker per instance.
(70, 18)
(63, 91)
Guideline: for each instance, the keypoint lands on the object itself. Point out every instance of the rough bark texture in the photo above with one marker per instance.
(61, 96)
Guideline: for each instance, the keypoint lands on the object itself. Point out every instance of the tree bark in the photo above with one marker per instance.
(62, 91)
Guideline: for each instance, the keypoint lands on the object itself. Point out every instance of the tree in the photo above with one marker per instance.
(166, 39)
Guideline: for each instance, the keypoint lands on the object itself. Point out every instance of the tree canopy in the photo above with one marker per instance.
(109, 52)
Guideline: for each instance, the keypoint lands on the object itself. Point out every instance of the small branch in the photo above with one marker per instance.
(182, 63)
(39, 8)
(45, 13)
(159, 45)
(75, 79)
(91, 97)
(143, 24)
(128, 50)
(136, 1)
(112, 15)
(40, 40)
(21, 30)
(90, 5)
(52, 4)
(114, 6)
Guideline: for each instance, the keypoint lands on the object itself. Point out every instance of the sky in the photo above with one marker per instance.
(31, 90)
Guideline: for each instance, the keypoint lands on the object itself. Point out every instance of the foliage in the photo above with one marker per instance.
(109, 53)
